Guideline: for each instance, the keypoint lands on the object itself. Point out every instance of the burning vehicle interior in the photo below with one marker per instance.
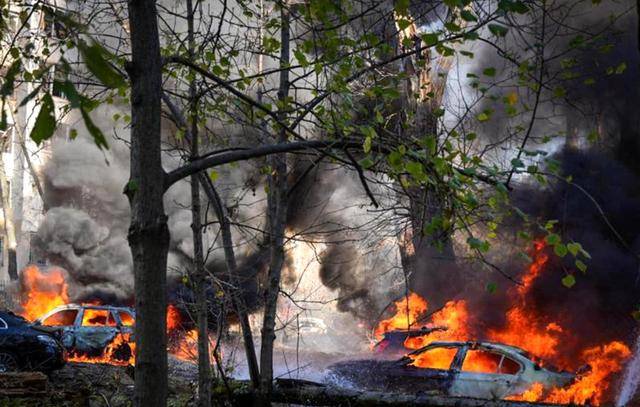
(90, 329)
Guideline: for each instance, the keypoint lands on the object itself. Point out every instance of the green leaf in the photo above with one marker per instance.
(492, 287)
(96, 133)
(69, 91)
(401, 7)
(45, 122)
(95, 59)
(366, 163)
(560, 249)
(31, 95)
(581, 266)
(416, 170)
(478, 244)
(559, 92)
(429, 39)
(213, 175)
(498, 30)
(491, 71)
(132, 186)
(517, 163)
(468, 16)
(366, 146)
(403, 23)
(568, 281)
(395, 160)
(483, 117)
(574, 248)
(621, 68)
(553, 239)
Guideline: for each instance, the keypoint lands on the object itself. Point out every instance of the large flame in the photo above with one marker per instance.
(43, 291)
(525, 327)
(408, 309)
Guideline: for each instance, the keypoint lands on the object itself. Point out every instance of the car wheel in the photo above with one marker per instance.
(8, 362)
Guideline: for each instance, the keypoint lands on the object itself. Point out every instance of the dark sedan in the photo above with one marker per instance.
(24, 347)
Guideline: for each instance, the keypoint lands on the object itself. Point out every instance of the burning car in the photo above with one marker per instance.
(89, 329)
(392, 342)
(25, 347)
(464, 369)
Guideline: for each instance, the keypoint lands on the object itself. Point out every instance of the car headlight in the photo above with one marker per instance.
(47, 340)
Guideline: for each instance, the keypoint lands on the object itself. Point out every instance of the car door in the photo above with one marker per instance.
(126, 322)
(427, 370)
(65, 320)
(485, 373)
(96, 329)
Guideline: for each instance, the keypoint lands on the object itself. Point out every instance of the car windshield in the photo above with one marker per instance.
(65, 317)
(437, 357)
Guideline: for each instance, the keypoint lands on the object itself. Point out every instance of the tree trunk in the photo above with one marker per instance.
(9, 227)
(237, 300)
(148, 232)
(277, 211)
(426, 257)
(200, 274)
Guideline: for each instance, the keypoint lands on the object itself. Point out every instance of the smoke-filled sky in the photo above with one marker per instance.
(85, 229)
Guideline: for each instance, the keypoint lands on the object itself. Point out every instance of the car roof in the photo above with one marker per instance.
(12, 318)
(489, 345)
(90, 306)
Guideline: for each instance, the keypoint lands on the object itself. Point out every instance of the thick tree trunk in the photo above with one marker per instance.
(277, 211)
(9, 227)
(237, 300)
(427, 258)
(148, 232)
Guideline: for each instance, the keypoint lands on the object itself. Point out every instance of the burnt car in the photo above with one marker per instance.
(88, 329)
(25, 347)
(392, 342)
(461, 369)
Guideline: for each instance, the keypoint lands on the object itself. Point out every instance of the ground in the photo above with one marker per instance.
(99, 385)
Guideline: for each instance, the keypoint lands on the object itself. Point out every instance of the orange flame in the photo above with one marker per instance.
(42, 292)
(121, 351)
(408, 309)
(525, 327)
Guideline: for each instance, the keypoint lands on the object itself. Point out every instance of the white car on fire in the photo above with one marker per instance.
(464, 369)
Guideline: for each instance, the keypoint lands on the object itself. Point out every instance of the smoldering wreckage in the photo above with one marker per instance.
(417, 357)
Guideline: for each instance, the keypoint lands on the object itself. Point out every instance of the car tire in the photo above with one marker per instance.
(8, 362)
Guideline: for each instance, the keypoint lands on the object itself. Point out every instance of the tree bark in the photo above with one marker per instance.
(277, 211)
(9, 227)
(148, 232)
(236, 294)
(426, 258)
(200, 274)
